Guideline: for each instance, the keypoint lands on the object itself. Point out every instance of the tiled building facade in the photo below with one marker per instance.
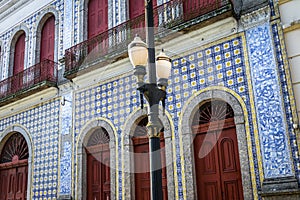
(236, 54)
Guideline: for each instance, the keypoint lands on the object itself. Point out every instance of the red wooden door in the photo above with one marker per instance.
(97, 17)
(217, 163)
(142, 168)
(47, 39)
(19, 54)
(14, 168)
(21, 183)
(47, 48)
(13, 181)
(98, 172)
(18, 67)
(97, 23)
(3, 184)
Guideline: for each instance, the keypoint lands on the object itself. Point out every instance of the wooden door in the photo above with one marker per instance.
(142, 168)
(47, 49)
(21, 182)
(14, 169)
(98, 172)
(97, 17)
(3, 184)
(217, 162)
(18, 67)
(19, 54)
(97, 23)
(47, 39)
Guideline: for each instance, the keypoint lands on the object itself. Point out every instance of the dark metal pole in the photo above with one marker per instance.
(153, 96)
(150, 41)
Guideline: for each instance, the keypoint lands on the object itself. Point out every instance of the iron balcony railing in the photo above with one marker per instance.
(37, 77)
(111, 44)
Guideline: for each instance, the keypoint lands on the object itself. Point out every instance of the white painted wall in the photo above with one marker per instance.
(17, 11)
(290, 17)
(290, 11)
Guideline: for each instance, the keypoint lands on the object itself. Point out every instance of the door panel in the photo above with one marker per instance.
(47, 41)
(97, 17)
(211, 191)
(97, 23)
(217, 165)
(98, 173)
(142, 165)
(11, 183)
(207, 166)
(19, 55)
(230, 165)
(3, 184)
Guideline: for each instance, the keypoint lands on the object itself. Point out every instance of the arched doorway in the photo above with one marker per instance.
(98, 165)
(141, 162)
(217, 164)
(14, 168)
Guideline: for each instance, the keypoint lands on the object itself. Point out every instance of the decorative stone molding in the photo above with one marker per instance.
(255, 18)
(80, 167)
(15, 35)
(129, 128)
(44, 15)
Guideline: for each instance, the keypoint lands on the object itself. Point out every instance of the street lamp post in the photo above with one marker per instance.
(141, 54)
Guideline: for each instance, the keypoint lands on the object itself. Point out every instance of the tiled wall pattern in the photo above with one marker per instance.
(42, 123)
(65, 169)
(269, 108)
(68, 24)
(286, 91)
(220, 64)
(65, 162)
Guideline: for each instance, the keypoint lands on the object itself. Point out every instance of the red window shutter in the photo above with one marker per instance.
(48, 39)
(97, 17)
(19, 54)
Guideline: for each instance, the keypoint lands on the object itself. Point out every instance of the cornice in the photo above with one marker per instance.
(8, 6)
(255, 18)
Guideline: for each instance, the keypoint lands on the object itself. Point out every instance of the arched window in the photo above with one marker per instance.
(97, 17)
(19, 54)
(14, 168)
(48, 40)
(98, 165)
(142, 164)
(216, 156)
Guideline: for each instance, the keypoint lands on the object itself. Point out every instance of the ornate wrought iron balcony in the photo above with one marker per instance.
(111, 45)
(33, 79)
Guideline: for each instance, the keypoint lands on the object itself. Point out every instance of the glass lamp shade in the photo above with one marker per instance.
(138, 52)
(163, 65)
